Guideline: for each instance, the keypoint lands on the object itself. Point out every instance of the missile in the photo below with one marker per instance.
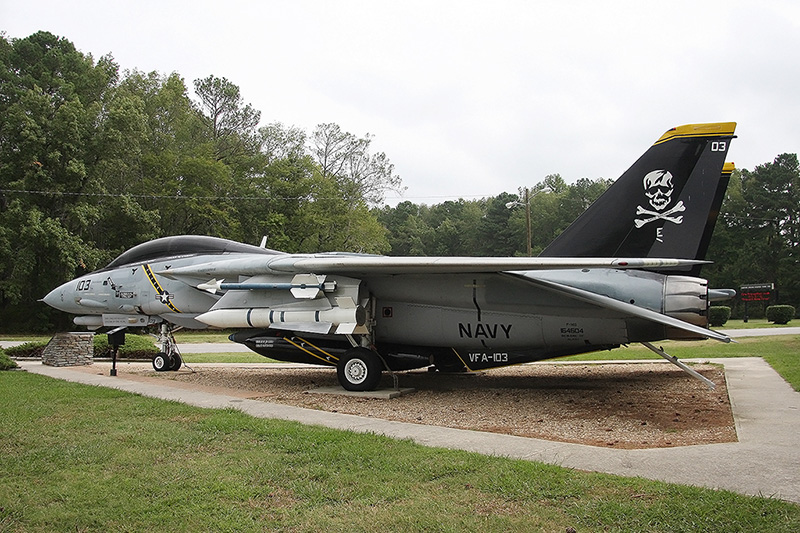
(263, 317)
(303, 286)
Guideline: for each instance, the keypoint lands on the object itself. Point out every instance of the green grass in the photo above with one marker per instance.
(202, 336)
(782, 352)
(78, 458)
(233, 357)
(25, 338)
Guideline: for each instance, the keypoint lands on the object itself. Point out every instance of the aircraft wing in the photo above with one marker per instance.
(625, 308)
(355, 265)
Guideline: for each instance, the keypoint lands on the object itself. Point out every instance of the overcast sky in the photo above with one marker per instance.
(471, 98)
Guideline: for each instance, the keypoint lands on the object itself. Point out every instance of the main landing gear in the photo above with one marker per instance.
(359, 369)
(169, 358)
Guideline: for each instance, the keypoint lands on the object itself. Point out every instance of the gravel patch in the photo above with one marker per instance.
(619, 405)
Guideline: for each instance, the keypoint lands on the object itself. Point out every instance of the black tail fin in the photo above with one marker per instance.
(665, 205)
(713, 213)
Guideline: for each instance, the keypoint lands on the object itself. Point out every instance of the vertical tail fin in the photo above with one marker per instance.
(665, 205)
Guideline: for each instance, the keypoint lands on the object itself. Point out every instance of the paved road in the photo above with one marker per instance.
(760, 332)
(764, 461)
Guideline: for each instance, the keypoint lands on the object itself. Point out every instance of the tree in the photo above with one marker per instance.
(772, 191)
(756, 238)
(52, 101)
(170, 178)
(231, 122)
(346, 158)
(407, 231)
(279, 142)
(496, 235)
(488, 226)
(452, 228)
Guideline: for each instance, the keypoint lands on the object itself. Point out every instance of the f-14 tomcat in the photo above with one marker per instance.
(623, 272)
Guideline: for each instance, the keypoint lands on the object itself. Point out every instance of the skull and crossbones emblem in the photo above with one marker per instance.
(658, 188)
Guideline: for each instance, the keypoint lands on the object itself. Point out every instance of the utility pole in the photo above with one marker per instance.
(528, 220)
(526, 201)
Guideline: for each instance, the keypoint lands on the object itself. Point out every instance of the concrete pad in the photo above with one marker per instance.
(381, 394)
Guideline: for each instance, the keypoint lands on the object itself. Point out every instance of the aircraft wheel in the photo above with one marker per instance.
(162, 362)
(359, 370)
(176, 362)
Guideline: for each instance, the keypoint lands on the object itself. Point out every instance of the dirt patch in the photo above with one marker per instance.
(620, 405)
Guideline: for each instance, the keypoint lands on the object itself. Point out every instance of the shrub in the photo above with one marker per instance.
(135, 347)
(28, 349)
(780, 314)
(5, 361)
(718, 315)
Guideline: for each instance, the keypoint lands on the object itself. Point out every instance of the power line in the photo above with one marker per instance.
(160, 197)
(192, 197)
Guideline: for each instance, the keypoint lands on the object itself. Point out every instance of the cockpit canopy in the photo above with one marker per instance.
(184, 245)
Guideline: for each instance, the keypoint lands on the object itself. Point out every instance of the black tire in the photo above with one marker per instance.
(176, 362)
(359, 370)
(162, 362)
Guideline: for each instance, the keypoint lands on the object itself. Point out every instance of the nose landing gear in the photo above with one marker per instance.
(169, 358)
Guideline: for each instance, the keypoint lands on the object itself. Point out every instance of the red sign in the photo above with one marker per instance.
(755, 296)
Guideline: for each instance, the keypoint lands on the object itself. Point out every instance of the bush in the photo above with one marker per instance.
(135, 347)
(718, 315)
(5, 361)
(780, 314)
(28, 349)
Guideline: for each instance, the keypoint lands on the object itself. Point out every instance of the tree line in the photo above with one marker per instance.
(755, 239)
(94, 160)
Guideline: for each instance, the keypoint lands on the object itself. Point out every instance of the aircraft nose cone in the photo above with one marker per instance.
(55, 298)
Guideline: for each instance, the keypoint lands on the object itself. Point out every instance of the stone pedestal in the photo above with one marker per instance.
(69, 349)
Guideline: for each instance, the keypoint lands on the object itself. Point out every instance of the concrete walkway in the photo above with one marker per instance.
(765, 461)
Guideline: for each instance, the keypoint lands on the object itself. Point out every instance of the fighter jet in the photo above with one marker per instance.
(624, 272)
